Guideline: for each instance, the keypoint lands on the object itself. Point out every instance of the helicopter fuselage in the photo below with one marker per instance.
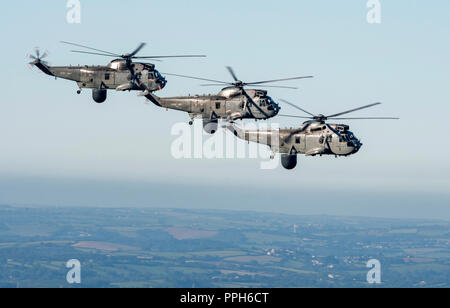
(115, 76)
(312, 139)
(230, 104)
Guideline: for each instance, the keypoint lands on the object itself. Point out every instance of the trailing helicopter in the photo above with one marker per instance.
(121, 74)
(314, 137)
(233, 102)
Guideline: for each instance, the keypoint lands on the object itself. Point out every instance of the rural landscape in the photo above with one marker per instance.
(198, 248)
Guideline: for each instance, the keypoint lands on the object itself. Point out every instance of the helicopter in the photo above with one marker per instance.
(121, 74)
(232, 103)
(314, 137)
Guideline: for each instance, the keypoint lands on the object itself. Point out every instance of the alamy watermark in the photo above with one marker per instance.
(74, 274)
(227, 142)
(374, 275)
(374, 13)
(74, 13)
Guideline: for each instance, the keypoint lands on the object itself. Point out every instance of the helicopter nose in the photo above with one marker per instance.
(357, 146)
(277, 108)
(162, 83)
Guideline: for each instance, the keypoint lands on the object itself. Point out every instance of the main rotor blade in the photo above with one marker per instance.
(141, 45)
(215, 85)
(278, 80)
(230, 69)
(279, 87)
(166, 57)
(296, 107)
(297, 117)
(353, 110)
(197, 78)
(262, 86)
(78, 45)
(370, 118)
(94, 53)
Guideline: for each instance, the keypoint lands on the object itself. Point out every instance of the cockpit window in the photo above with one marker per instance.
(330, 139)
(262, 102)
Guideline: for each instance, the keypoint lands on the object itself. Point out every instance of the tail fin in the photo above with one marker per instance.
(44, 68)
(37, 60)
(154, 99)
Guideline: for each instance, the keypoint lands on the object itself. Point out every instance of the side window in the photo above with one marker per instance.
(322, 139)
(297, 139)
(218, 105)
(107, 76)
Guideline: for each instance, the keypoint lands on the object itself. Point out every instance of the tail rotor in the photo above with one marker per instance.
(37, 58)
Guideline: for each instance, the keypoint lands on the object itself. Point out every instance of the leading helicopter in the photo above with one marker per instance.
(233, 102)
(314, 137)
(121, 74)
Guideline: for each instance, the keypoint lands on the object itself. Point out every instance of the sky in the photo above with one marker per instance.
(59, 148)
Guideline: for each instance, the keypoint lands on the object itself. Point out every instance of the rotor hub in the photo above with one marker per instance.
(320, 117)
(239, 84)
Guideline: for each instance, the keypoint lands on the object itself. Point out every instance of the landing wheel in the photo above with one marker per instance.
(191, 123)
(79, 92)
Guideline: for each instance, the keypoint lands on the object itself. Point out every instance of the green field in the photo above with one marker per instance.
(181, 248)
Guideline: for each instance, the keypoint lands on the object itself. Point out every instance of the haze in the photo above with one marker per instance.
(59, 148)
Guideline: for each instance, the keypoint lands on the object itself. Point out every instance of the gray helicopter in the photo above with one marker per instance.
(121, 74)
(314, 137)
(234, 102)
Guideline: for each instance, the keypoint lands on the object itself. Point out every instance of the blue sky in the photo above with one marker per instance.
(51, 135)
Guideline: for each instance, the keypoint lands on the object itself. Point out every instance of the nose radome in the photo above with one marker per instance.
(276, 110)
(358, 146)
